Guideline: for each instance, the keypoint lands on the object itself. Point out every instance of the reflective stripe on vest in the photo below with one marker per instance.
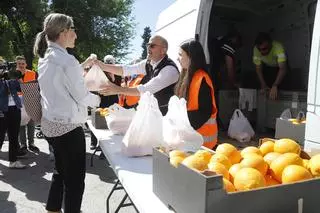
(29, 76)
(208, 130)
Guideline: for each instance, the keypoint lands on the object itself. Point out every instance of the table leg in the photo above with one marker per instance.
(93, 154)
(114, 188)
(122, 204)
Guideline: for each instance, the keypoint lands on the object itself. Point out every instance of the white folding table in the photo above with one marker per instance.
(134, 173)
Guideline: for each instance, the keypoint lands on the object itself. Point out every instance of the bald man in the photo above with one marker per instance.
(160, 74)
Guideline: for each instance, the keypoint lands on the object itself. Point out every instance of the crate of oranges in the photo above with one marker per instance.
(276, 177)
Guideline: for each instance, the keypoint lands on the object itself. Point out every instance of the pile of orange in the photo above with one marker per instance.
(274, 162)
(103, 111)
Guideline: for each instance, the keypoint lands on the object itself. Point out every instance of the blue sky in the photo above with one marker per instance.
(146, 13)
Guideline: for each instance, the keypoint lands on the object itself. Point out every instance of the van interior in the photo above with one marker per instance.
(287, 21)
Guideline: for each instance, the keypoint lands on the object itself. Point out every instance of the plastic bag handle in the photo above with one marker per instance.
(237, 113)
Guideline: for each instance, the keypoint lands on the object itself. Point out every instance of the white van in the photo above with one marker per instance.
(296, 23)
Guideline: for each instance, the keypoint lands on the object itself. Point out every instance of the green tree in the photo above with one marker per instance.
(104, 26)
(145, 37)
(20, 20)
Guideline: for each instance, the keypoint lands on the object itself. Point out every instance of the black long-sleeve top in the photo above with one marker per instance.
(199, 117)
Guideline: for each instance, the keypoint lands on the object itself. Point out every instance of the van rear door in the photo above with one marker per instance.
(312, 136)
(177, 24)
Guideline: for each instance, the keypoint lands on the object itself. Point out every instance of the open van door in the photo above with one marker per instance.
(312, 136)
(177, 24)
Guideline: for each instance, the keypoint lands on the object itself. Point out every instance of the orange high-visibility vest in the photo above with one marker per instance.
(29, 75)
(131, 100)
(208, 130)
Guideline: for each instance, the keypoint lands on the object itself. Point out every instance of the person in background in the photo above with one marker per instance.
(133, 81)
(270, 59)
(64, 100)
(195, 85)
(10, 116)
(160, 74)
(26, 76)
(224, 62)
(107, 101)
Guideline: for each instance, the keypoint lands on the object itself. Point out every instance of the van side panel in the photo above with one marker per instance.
(177, 24)
(312, 137)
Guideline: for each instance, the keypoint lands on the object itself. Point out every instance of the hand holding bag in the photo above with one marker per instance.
(95, 79)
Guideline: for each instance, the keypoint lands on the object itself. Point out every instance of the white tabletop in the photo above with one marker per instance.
(135, 174)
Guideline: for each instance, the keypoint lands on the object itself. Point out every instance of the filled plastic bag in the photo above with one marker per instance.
(119, 119)
(286, 114)
(145, 130)
(240, 128)
(177, 130)
(95, 79)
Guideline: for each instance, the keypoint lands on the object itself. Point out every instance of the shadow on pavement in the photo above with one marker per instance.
(9, 206)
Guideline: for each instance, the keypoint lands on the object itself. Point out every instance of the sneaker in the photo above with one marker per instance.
(23, 149)
(17, 165)
(33, 148)
(92, 147)
(21, 152)
(51, 156)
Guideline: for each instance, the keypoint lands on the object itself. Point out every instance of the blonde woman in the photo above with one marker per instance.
(64, 100)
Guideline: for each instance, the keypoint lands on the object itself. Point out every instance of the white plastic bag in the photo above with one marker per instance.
(119, 119)
(24, 117)
(177, 130)
(239, 127)
(95, 79)
(286, 114)
(145, 130)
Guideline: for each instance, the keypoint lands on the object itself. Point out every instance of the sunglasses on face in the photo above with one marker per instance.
(72, 28)
(151, 45)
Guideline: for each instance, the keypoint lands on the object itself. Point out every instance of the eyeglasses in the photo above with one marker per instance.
(72, 28)
(152, 45)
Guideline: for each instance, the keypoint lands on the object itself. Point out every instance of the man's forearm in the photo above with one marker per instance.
(114, 69)
(230, 70)
(280, 76)
(128, 91)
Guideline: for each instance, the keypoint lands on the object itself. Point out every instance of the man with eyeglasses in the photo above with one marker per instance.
(270, 59)
(160, 74)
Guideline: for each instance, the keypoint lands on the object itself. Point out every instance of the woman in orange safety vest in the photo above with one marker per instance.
(195, 85)
(131, 101)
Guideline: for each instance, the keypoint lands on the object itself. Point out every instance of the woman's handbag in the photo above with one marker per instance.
(32, 100)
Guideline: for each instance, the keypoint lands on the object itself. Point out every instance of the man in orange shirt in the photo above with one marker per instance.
(26, 76)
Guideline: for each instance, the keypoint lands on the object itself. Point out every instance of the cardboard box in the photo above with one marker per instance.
(286, 129)
(186, 191)
(98, 121)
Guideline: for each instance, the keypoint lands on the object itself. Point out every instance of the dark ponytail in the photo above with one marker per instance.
(40, 44)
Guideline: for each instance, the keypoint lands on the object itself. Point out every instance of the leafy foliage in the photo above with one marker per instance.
(146, 36)
(103, 26)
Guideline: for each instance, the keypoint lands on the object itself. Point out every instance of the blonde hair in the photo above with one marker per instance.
(53, 25)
